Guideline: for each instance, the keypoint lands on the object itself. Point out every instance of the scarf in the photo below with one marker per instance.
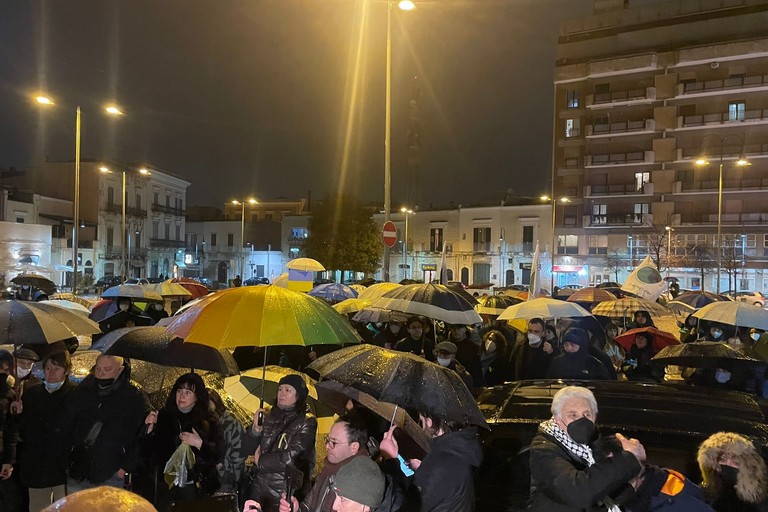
(582, 451)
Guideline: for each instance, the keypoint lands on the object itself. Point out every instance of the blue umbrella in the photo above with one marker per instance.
(333, 292)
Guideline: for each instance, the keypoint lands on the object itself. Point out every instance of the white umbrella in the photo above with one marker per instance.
(543, 308)
(739, 314)
(305, 265)
(67, 304)
(169, 289)
(375, 291)
(132, 291)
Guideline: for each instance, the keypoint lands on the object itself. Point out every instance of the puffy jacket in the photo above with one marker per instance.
(287, 437)
(562, 482)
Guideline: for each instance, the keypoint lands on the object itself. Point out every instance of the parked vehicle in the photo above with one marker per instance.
(107, 282)
(255, 280)
(136, 280)
(754, 298)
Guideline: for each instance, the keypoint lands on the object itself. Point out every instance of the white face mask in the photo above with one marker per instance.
(722, 376)
(124, 306)
(534, 340)
(22, 372)
(755, 336)
(53, 386)
(717, 333)
(444, 361)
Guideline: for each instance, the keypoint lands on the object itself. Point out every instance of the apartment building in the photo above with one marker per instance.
(642, 94)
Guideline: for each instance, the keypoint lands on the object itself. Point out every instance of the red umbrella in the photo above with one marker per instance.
(196, 288)
(661, 339)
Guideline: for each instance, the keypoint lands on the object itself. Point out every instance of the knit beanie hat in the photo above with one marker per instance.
(297, 383)
(576, 336)
(361, 481)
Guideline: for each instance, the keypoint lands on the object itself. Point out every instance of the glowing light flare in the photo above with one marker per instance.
(701, 161)
(406, 5)
(44, 100)
(114, 110)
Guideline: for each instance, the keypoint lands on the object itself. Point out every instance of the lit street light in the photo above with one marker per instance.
(741, 162)
(407, 212)
(562, 200)
(669, 230)
(242, 202)
(112, 110)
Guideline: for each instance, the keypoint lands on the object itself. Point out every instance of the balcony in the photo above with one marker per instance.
(117, 209)
(115, 253)
(721, 119)
(481, 247)
(742, 185)
(621, 98)
(618, 219)
(163, 243)
(710, 219)
(619, 159)
(724, 86)
(159, 208)
(731, 153)
(627, 189)
(643, 126)
(81, 244)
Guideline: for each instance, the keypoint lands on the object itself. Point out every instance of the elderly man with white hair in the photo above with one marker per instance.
(564, 474)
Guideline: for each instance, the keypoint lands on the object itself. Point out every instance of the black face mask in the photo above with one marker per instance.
(582, 430)
(104, 383)
(729, 474)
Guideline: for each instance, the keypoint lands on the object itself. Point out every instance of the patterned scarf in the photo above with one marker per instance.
(581, 451)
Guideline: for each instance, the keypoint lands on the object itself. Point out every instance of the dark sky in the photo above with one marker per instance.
(254, 96)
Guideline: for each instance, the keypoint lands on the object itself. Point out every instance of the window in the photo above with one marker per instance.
(156, 198)
(110, 197)
(167, 199)
(598, 244)
(572, 98)
(155, 229)
(736, 110)
(299, 233)
(572, 128)
(293, 252)
(751, 241)
(192, 239)
(481, 273)
(213, 239)
(268, 216)
(436, 240)
(528, 239)
(641, 178)
(230, 240)
(482, 239)
(20, 220)
(641, 209)
(599, 214)
(567, 244)
(110, 238)
(178, 232)
(167, 230)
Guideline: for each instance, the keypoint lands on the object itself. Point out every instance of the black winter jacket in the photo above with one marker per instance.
(444, 481)
(42, 449)
(287, 437)
(561, 482)
(122, 408)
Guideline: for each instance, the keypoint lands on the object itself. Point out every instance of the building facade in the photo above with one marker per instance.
(642, 95)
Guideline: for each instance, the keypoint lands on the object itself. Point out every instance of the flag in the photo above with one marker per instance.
(443, 269)
(645, 281)
(534, 288)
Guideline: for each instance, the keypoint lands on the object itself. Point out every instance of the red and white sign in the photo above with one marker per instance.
(389, 234)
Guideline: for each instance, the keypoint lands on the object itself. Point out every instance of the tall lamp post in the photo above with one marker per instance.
(741, 162)
(669, 230)
(242, 202)
(111, 110)
(563, 200)
(407, 212)
(404, 5)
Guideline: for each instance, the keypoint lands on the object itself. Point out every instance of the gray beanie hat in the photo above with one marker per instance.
(361, 481)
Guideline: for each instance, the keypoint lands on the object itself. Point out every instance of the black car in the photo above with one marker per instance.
(255, 280)
(670, 420)
(107, 282)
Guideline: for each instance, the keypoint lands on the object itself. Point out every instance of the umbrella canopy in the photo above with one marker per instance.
(372, 315)
(335, 395)
(196, 288)
(690, 301)
(262, 316)
(72, 298)
(564, 293)
(626, 307)
(132, 291)
(333, 292)
(739, 314)
(23, 322)
(67, 304)
(155, 345)
(38, 281)
(495, 304)
(543, 308)
(375, 291)
(169, 289)
(305, 265)
(403, 379)
(358, 288)
(591, 295)
(704, 354)
(432, 301)
(661, 339)
(348, 306)
(281, 280)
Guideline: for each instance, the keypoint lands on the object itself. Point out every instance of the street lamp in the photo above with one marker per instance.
(109, 109)
(242, 202)
(563, 200)
(741, 162)
(405, 5)
(407, 212)
(669, 231)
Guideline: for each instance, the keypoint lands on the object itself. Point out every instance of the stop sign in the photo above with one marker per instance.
(389, 234)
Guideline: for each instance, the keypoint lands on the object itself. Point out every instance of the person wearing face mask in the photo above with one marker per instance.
(468, 344)
(716, 333)
(637, 366)
(565, 477)
(575, 362)
(734, 474)
(25, 361)
(445, 353)
(102, 420)
(493, 356)
(41, 450)
(187, 419)
(156, 311)
(533, 355)
(388, 336)
(415, 341)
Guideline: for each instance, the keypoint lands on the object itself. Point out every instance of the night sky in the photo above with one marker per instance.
(270, 97)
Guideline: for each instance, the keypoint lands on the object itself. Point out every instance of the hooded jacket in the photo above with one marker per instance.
(444, 481)
(751, 489)
(577, 365)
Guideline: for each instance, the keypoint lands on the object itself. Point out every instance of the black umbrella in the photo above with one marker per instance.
(433, 301)
(123, 319)
(403, 379)
(38, 281)
(155, 345)
(704, 354)
(495, 304)
(23, 322)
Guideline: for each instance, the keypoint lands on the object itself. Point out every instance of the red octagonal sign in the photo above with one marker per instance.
(389, 234)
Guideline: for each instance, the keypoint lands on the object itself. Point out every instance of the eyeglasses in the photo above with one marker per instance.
(330, 442)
